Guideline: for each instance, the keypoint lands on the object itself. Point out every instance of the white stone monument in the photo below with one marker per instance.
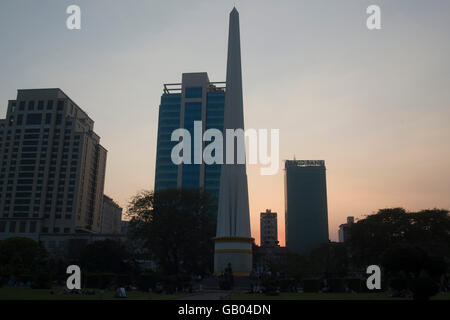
(233, 242)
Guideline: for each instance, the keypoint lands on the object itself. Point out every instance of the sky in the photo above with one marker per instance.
(374, 104)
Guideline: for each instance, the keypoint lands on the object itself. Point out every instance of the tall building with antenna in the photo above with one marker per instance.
(306, 219)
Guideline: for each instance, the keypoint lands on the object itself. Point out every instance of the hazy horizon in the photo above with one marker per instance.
(374, 105)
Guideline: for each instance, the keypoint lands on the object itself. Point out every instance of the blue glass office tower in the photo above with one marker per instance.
(306, 205)
(169, 119)
(195, 99)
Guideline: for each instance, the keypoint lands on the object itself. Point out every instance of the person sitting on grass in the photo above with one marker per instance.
(120, 292)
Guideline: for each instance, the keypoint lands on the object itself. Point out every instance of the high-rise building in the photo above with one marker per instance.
(306, 205)
(111, 216)
(194, 99)
(268, 229)
(344, 230)
(52, 167)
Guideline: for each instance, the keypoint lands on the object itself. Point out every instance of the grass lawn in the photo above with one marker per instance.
(328, 296)
(15, 293)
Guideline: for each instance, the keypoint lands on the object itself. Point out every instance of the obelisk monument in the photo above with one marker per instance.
(233, 242)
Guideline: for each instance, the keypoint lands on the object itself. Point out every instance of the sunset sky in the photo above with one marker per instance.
(375, 105)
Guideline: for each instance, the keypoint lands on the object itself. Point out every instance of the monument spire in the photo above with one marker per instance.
(233, 242)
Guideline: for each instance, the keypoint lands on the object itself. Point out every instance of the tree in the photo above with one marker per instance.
(412, 247)
(26, 260)
(330, 259)
(105, 256)
(19, 256)
(404, 259)
(426, 229)
(410, 267)
(177, 225)
(413, 266)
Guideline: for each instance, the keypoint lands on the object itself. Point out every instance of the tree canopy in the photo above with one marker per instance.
(19, 256)
(105, 256)
(177, 225)
(428, 230)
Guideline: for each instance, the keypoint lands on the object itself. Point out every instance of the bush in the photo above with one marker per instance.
(3, 281)
(398, 283)
(336, 285)
(147, 281)
(25, 278)
(42, 281)
(287, 285)
(423, 288)
(173, 282)
(311, 285)
(356, 284)
(270, 286)
(170, 284)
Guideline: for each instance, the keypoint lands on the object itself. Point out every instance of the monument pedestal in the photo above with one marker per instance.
(234, 250)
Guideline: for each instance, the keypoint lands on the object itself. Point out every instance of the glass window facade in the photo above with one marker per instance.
(191, 172)
(195, 92)
(166, 175)
(214, 120)
(169, 120)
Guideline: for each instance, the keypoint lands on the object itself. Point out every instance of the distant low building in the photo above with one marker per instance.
(344, 230)
(111, 217)
(268, 229)
(265, 257)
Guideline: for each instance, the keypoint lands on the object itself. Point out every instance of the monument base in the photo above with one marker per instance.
(236, 251)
